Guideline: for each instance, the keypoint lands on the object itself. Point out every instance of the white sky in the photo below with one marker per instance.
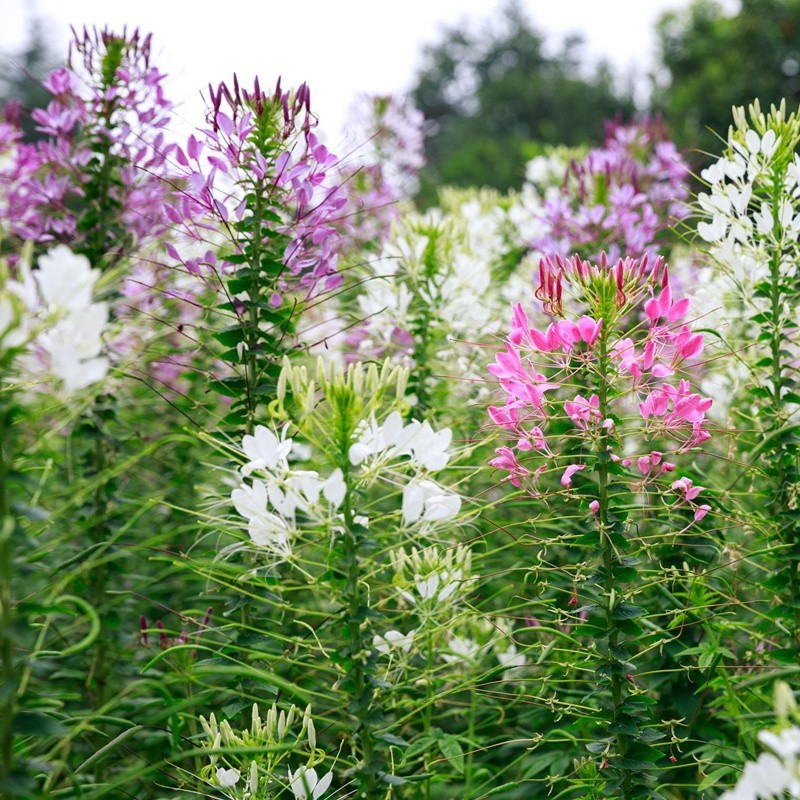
(340, 47)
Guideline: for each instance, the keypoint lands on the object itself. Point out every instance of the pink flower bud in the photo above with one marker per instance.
(566, 478)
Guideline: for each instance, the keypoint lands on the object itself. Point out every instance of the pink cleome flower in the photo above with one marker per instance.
(635, 351)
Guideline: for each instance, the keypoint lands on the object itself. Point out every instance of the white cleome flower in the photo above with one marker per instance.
(764, 778)
(334, 488)
(57, 317)
(426, 447)
(785, 744)
(265, 450)
(462, 650)
(512, 660)
(426, 501)
(305, 784)
(266, 530)
(73, 347)
(393, 640)
(65, 280)
(227, 778)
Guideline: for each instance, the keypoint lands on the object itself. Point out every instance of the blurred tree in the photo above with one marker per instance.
(489, 99)
(21, 74)
(713, 60)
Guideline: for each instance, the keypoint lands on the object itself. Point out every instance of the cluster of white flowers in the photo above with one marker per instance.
(751, 222)
(275, 737)
(270, 503)
(751, 204)
(424, 500)
(771, 775)
(50, 315)
(433, 580)
(435, 273)
(278, 492)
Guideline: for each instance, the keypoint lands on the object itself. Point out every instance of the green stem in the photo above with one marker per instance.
(609, 555)
(362, 694)
(422, 357)
(254, 294)
(7, 665)
(790, 534)
(473, 710)
(427, 717)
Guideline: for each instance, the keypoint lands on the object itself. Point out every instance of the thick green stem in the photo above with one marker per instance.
(362, 693)
(473, 711)
(422, 369)
(97, 575)
(609, 555)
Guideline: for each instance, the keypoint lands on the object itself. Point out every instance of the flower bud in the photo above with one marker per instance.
(785, 704)
(312, 734)
(252, 780)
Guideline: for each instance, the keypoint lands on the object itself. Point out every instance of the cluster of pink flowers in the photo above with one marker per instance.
(264, 147)
(108, 103)
(644, 406)
(620, 198)
(383, 170)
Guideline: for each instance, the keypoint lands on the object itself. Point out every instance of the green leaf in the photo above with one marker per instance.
(627, 611)
(649, 735)
(715, 778)
(625, 725)
(392, 739)
(452, 751)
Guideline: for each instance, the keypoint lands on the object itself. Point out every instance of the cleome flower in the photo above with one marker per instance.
(577, 353)
(305, 784)
(256, 764)
(433, 580)
(277, 492)
(51, 313)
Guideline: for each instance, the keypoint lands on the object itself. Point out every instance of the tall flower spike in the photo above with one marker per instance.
(104, 152)
(568, 393)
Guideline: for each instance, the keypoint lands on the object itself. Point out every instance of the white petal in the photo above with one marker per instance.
(334, 488)
(250, 501)
(322, 786)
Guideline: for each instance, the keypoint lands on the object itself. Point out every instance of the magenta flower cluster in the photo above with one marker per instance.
(620, 198)
(108, 102)
(262, 149)
(552, 375)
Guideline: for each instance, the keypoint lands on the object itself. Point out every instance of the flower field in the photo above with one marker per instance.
(307, 492)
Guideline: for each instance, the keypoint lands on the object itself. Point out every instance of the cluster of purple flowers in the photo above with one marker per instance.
(260, 158)
(619, 199)
(105, 123)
